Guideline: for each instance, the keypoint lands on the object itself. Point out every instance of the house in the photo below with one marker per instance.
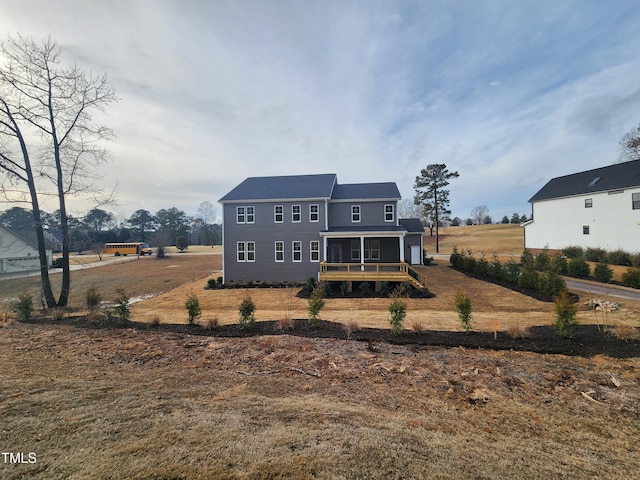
(290, 228)
(596, 208)
(17, 253)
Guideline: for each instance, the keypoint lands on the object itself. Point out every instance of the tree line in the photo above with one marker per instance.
(169, 226)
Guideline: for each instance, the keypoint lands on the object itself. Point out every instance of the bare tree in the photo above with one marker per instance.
(630, 145)
(207, 212)
(49, 143)
(479, 214)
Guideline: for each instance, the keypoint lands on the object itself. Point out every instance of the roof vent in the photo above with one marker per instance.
(594, 181)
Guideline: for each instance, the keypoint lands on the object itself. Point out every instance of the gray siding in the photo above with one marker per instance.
(371, 213)
(265, 232)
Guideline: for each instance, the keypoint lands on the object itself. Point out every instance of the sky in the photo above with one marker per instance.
(507, 93)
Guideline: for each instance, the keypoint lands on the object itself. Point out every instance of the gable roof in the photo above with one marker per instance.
(379, 191)
(612, 177)
(411, 225)
(283, 187)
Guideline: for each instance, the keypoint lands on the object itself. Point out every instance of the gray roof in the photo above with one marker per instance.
(612, 177)
(387, 190)
(283, 187)
(365, 229)
(412, 225)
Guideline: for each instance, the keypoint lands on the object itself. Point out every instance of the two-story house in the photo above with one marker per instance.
(595, 208)
(290, 228)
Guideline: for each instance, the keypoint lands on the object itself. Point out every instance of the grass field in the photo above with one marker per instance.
(145, 403)
(480, 239)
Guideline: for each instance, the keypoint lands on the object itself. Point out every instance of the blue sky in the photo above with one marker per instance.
(507, 93)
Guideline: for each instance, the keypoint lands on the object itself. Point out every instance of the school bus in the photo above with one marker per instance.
(133, 248)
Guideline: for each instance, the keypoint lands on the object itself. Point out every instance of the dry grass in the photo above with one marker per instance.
(487, 239)
(625, 332)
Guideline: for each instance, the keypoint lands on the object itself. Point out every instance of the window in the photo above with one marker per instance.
(372, 249)
(388, 213)
(295, 213)
(246, 251)
(240, 215)
(355, 213)
(278, 214)
(635, 201)
(585, 230)
(588, 202)
(279, 251)
(314, 213)
(297, 251)
(315, 251)
(355, 250)
(251, 214)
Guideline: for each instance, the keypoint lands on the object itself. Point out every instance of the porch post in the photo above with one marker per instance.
(401, 248)
(362, 253)
(324, 249)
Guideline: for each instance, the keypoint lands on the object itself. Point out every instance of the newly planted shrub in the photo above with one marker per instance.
(558, 264)
(247, 313)
(603, 272)
(344, 288)
(308, 287)
(462, 305)
(121, 306)
(24, 306)
(566, 312)
(365, 289)
(595, 254)
(193, 307)
(398, 312)
(528, 277)
(316, 303)
(92, 298)
(573, 252)
(578, 267)
(550, 283)
(619, 257)
(631, 278)
(510, 272)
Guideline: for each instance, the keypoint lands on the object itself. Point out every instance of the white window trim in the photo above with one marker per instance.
(312, 250)
(238, 214)
(293, 214)
(353, 213)
(239, 251)
(251, 251)
(275, 214)
(252, 214)
(316, 213)
(294, 251)
(356, 249)
(279, 242)
(393, 213)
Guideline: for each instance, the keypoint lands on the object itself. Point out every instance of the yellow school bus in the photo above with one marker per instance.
(131, 248)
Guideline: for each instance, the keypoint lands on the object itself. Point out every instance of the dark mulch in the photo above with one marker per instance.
(585, 341)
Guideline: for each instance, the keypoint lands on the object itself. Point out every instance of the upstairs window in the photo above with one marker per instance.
(355, 213)
(585, 230)
(635, 201)
(389, 213)
(240, 214)
(278, 214)
(314, 213)
(588, 202)
(295, 213)
(251, 214)
(245, 214)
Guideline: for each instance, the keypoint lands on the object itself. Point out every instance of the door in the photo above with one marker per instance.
(415, 255)
(335, 253)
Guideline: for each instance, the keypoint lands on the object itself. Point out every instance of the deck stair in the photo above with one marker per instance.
(373, 272)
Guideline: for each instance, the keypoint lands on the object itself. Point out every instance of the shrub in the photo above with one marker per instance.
(578, 267)
(462, 304)
(619, 257)
(510, 272)
(212, 283)
(631, 278)
(558, 264)
(526, 259)
(193, 307)
(398, 312)
(365, 289)
(469, 263)
(247, 313)
(344, 288)
(566, 312)
(481, 267)
(92, 298)
(542, 260)
(573, 252)
(603, 272)
(635, 259)
(494, 269)
(316, 303)
(528, 278)
(309, 285)
(455, 258)
(595, 254)
(385, 289)
(550, 283)
(121, 305)
(24, 306)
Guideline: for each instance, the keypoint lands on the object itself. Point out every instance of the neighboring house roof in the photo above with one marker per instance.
(412, 225)
(387, 190)
(283, 187)
(612, 177)
(27, 236)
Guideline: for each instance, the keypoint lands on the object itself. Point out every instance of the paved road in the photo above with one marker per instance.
(602, 290)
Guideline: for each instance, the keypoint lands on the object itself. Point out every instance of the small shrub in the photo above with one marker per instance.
(121, 305)
(308, 287)
(211, 323)
(603, 272)
(285, 323)
(155, 322)
(247, 313)
(417, 327)
(344, 288)
(494, 269)
(481, 267)
(327, 290)
(550, 283)
(595, 254)
(573, 252)
(528, 277)
(398, 312)
(193, 307)
(625, 332)
(92, 298)
(631, 278)
(566, 312)
(58, 314)
(526, 259)
(462, 304)
(469, 264)
(558, 264)
(365, 289)
(24, 306)
(578, 267)
(316, 303)
(542, 260)
(516, 331)
(635, 259)
(385, 289)
(456, 258)
(619, 257)
(510, 272)
(212, 283)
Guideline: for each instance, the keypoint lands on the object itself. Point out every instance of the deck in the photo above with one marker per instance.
(373, 272)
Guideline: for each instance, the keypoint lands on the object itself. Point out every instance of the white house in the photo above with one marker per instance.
(18, 254)
(597, 208)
